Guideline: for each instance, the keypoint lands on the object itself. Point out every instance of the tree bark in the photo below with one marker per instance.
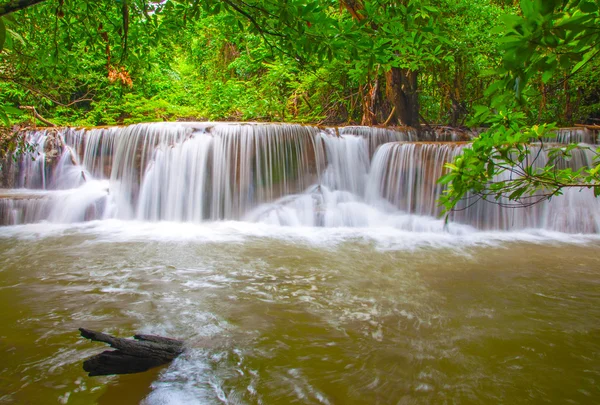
(568, 106)
(354, 7)
(369, 102)
(16, 5)
(456, 106)
(401, 92)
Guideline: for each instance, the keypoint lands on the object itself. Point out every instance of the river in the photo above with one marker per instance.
(316, 316)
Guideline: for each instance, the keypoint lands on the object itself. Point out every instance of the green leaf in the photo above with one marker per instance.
(446, 178)
(575, 23)
(547, 76)
(585, 60)
(12, 110)
(4, 116)
(588, 7)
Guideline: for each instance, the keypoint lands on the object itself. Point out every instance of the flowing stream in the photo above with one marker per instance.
(300, 265)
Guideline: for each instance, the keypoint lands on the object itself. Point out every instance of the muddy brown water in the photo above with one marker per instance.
(282, 320)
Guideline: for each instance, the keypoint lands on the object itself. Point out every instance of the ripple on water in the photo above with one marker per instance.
(279, 319)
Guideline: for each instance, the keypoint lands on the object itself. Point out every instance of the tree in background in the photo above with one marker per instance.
(375, 62)
(62, 56)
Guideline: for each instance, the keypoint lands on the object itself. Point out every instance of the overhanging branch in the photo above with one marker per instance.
(16, 5)
(37, 115)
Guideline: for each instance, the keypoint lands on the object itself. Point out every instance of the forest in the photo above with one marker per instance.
(516, 69)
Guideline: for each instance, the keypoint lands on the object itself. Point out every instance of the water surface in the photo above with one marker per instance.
(315, 316)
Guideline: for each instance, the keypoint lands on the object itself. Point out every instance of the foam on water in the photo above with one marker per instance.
(394, 232)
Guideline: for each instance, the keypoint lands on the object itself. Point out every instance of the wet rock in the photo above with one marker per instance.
(52, 147)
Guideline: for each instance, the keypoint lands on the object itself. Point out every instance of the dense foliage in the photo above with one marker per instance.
(504, 65)
(120, 61)
(549, 45)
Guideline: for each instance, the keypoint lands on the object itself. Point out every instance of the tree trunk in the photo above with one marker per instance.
(542, 101)
(370, 94)
(568, 106)
(456, 108)
(401, 85)
(16, 5)
(401, 92)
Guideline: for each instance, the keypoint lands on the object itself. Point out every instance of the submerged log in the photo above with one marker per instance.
(131, 356)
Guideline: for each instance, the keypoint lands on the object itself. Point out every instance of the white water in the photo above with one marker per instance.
(276, 174)
(405, 174)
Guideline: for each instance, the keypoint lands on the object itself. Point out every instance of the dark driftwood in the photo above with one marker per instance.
(131, 356)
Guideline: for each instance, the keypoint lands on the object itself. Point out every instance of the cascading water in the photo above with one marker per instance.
(221, 172)
(174, 172)
(573, 135)
(405, 174)
(273, 173)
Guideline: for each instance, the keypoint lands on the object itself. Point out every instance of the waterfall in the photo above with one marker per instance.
(219, 172)
(573, 135)
(348, 163)
(405, 175)
(175, 172)
(281, 174)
